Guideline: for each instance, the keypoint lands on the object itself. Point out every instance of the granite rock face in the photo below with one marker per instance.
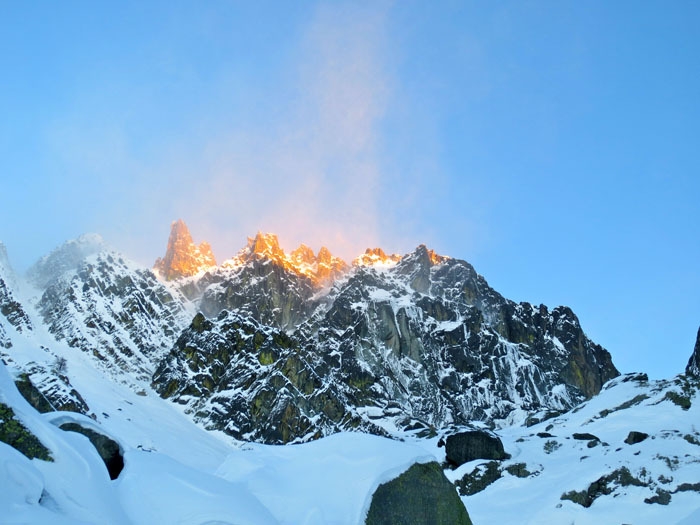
(268, 285)
(417, 343)
(116, 311)
(12, 311)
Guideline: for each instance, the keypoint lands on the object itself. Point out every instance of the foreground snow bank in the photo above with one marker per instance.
(331, 480)
(326, 481)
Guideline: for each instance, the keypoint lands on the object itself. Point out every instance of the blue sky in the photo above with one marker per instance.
(554, 145)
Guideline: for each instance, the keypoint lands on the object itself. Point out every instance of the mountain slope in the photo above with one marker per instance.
(422, 342)
(586, 467)
(174, 472)
(109, 308)
(415, 347)
(65, 258)
(12, 313)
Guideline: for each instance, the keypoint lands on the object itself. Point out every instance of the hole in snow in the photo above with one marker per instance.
(107, 448)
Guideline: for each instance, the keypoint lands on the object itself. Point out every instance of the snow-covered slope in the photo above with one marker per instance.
(604, 476)
(114, 310)
(174, 472)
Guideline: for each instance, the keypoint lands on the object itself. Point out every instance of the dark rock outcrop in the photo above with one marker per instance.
(279, 391)
(584, 436)
(421, 495)
(48, 389)
(693, 367)
(15, 434)
(463, 447)
(479, 479)
(106, 447)
(604, 486)
(32, 394)
(635, 437)
(10, 308)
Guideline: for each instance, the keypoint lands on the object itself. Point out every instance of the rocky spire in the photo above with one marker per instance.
(265, 246)
(322, 269)
(376, 256)
(693, 367)
(182, 257)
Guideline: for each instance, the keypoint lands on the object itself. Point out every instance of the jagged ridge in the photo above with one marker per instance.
(114, 310)
(418, 342)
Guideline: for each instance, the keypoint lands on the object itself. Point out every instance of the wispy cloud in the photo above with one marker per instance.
(313, 175)
(303, 160)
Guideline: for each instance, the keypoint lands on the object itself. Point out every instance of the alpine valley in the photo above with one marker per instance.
(298, 388)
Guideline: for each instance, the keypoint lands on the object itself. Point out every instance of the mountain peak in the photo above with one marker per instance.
(303, 255)
(182, 257)
(265, 245)
(321, 269)
(376, 257)
(430, 257)
(65, 258)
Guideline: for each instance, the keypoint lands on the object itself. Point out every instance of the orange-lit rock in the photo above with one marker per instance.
(303, 255)
(182, 257)
(262, 246)
(436, 258)
(329, 267)
(376, 257)
(322, 269)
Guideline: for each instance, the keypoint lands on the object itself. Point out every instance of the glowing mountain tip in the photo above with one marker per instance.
(182, 257)
(321, 269)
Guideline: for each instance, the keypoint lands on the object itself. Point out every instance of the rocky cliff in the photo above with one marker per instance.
(693, 367)
(111, 309)
(414, 342)
(11, 311)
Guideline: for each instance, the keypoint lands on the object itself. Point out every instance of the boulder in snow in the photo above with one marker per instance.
(422, 494)
(463, 447)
